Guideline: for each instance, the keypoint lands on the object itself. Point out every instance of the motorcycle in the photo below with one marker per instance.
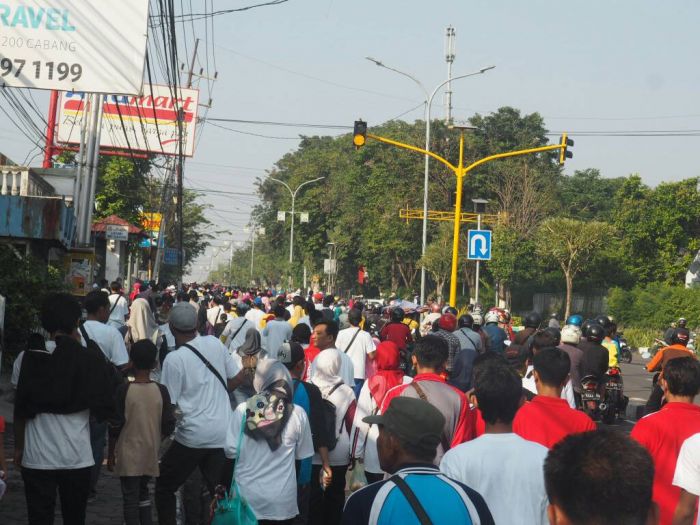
(590, 396)
(608, 406)
(625, 350)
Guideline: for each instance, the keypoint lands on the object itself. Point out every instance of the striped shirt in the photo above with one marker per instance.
(444, 500)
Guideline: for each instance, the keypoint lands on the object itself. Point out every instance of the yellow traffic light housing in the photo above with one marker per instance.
(359, 134)
(564, 152)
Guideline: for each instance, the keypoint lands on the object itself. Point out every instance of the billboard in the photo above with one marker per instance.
(149, 120)
(73, 45)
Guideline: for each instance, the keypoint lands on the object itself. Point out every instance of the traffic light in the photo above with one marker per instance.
(564, 152)
(359, 135)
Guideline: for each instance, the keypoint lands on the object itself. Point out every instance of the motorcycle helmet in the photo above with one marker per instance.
(447, 322)
(491, 317)
(478, 320)
(682, 322)
(680, 336)
(450, 310)
(570, 334)
(574, 320)
(532, 320)
(397, 315)
(506, 316)
(595, 333)
(465, 321)
(604, 321)
(585, 326)
(555, 333)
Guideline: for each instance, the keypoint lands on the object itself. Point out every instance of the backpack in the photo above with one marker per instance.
(329, 419)
(115, 375)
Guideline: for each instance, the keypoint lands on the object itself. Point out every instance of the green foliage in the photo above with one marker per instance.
(655, 305)
(122, 189)
(25, 282)
(640, 337)
(587, 196)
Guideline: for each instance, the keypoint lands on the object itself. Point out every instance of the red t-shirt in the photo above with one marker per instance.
(399, 333)
(662, 434)
(451, 401)
(2, 424)
(478, 422)
(548, 420)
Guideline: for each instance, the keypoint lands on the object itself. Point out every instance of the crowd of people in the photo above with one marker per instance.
(285, 402)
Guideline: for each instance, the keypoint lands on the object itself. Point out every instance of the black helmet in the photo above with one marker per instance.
(556, 333)
(585, 326)
(465, 321)
(595, 333)
(604, 321)
(450, 310)
(532, 320)
(397, 314)
(682, 322)
(680, 336)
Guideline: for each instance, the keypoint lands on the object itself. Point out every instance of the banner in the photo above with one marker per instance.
(80, 266)
(146, 122)
(74, 45)
(116, 232)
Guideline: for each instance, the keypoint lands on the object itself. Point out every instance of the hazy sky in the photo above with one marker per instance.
(585, 66)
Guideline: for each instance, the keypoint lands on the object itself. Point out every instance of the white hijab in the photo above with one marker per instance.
(326, 370)
(141, 321)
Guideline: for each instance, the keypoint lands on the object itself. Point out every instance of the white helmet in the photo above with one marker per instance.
(477, 318)
(491, 317)
(571, 334)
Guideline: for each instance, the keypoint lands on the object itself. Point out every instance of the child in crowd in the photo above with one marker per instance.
(144, 417)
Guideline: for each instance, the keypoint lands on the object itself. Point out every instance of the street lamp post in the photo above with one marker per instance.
(293, 193)
(428, 104)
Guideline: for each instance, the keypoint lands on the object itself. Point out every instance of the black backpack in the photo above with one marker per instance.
(115, 375)
(329, 419)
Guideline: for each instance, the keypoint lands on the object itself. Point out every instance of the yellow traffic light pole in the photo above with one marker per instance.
(460, 171)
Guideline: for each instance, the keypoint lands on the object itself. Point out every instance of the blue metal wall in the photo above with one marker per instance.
(36, 218)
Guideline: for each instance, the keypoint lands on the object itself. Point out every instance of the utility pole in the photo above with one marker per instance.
(449, 58)
(50, 130)
(180, 162)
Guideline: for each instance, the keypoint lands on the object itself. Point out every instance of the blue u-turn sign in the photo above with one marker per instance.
(479, 248)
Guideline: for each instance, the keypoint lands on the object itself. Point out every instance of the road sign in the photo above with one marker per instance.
(74, 45)
(117, 232)
(170, 256)
(479, 248)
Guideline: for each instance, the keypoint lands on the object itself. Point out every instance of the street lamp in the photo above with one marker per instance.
(294, 196)
(428, 104)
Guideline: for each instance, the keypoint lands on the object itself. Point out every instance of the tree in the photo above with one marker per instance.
(438, 258)
(573, 245)
(586, 195)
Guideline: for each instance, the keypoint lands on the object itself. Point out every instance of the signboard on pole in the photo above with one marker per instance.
(73, 45)
(151, 221)
(150, 120)
(170, 256)
(479, 248)
(303, 217)
(116, 232)
(280, 216)
(80, 267)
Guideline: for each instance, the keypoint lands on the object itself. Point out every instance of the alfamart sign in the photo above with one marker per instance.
(147, 122)
(97, 46)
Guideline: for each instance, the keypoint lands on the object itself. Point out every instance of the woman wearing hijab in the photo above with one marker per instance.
(275, 434)
(326, 506)
(142, 325)
(364, 436)
(135, 291)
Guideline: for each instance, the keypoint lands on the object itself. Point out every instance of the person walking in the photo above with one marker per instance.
(144, 417)
(326, 504)
(409, 435)
(364, 436)
(118, 308)
(276, 332)
(198, 376)
(325, 334)
(358, 345)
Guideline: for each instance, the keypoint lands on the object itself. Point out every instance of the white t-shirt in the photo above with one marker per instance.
(267, 479)
(507, 471)
(214, 313)
(232, 327)
(361, 346)
(201, 397)
(687, 474)
(342, 398)
(169, 337)
(275, 333)
(255, 315)
(109, 339)
(567, 392)
(347, 369)
(119, 312)
(364, 436)
(16, 367)
(57, 441)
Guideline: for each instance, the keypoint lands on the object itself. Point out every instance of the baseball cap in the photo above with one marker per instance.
(289, 354)
(413, 421)
(183, 317)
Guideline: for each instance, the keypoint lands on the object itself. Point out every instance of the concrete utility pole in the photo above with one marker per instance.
(449, 58)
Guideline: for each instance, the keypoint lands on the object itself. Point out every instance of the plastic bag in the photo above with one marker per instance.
(358, 478)
(233, 510)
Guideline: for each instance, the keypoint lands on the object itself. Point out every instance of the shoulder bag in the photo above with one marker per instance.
(352, 340)
(421, 394)
(232, 508)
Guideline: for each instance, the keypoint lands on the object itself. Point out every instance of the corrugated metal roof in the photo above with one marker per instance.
(36, 218)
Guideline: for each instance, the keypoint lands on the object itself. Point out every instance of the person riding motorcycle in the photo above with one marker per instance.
(668, 334)
(595, 356)
(677, 348)
(575, 320)
(497, 336)
(608, 341)
(531, 321)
